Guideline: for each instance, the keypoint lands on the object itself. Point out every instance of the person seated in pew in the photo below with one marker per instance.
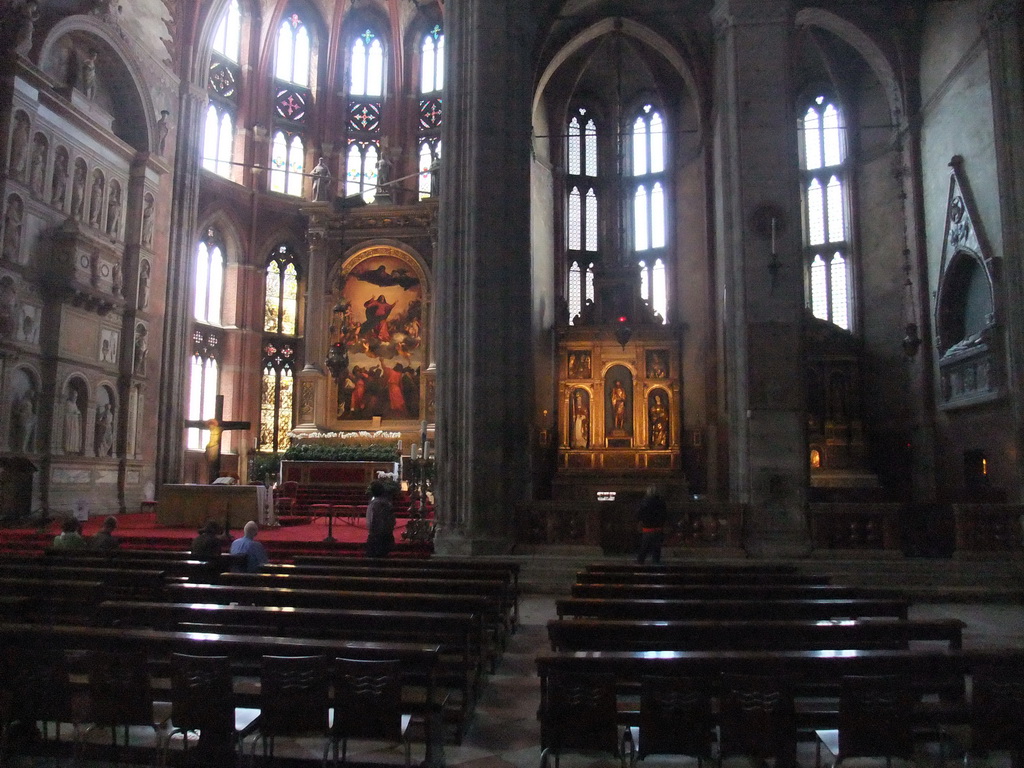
(104, 538)
(208, 545)
(70, 536)
(249, 556)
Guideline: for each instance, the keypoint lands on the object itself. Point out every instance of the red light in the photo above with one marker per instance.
(622, 318)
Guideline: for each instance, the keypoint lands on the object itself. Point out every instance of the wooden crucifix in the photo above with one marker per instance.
(217, 426)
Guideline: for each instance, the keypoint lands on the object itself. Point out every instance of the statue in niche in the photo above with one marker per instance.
(163, 129)
(8, 307)
(94, 269)
(657, 419)
(60, 179)
(144, 276)
(88, 75)
(105, 430)
(114, 211)
(147, 221)
(72, 423)
(618, 400)
(580, 432)
(19, 147)
(96, 200)
(141, 351)
(383, 172)
(26, 28)
(12, 229)
(23, 422)
(37, 174)
(435, 177)
(78, 192)
(115, 279)
(321, 181)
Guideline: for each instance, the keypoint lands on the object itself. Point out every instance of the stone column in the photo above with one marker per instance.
(1005, 36)
(175, 345)
(312, 389)
(482, 276)
(761, 308)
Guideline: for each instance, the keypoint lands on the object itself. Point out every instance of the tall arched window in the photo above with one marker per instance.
(648, 172)
(366, 67)
(293, 100)
(822, 134)
(280, 344)
(209, 284)
(222, 88)
(581, 219)
(431, 104)
(204, 384)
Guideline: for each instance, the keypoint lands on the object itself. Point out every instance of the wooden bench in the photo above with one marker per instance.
(459, 636)
(121, 582)
(482, 564)
(694, 567)
(731, 592)
(859, 634)
(52, 600)
(697, 577)
(679, 610)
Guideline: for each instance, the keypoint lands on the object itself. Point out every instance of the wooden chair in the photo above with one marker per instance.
(286, 497)
(757, 719)
(997, 713)
(578, 712)
(675, 718)
(120, 695)
(201, 701)
(876, 719)
(293, 700)
(367, 704)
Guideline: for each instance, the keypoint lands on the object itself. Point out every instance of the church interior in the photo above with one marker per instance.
(531, 259)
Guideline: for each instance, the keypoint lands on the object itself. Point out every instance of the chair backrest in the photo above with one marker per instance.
(293, 695)
(876, 716)
(367, 698)
(675, 717)
(757, 718)
(201, 688)
(579, 712)
(288, 489)
(119, 689)
(997, 709)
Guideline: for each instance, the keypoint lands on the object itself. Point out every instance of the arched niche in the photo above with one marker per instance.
(965, 304)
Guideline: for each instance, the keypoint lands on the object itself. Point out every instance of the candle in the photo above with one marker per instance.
(414, 451)
(399, 447)
(773, 234)
(426, 449)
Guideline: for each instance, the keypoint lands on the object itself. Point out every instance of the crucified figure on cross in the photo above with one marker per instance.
(216, 426)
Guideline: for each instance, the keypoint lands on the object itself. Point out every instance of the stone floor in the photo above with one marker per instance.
(505, 732)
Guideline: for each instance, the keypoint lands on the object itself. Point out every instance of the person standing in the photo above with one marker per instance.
(652, 516)
(380, 520)
(249, 555)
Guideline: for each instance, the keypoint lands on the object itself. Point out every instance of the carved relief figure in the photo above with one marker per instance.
(141, 350)
(580, 432)
(72, 423)
(114, 210)
(37, 174)
(96, 200)
(26, 28)
(163, 128)
(144, 275)
(657, 420)
(60, 178)
(105, 430)
(19, 147)
(12, 229)
(147, 221)
(78, 191)
(115, 279)
(23, 423)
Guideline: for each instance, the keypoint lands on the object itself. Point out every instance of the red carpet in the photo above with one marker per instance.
(141, 531)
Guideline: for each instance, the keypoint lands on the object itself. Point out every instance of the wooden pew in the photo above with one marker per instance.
(697, 577)
(54, 600)
(121, 582)
(419, 660)
(860, 634)
(680, 610)
(731, 592)
(483, 564)
(939, 674)
(695, 567)
(496, 590)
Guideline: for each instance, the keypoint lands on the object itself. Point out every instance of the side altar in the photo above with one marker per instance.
(353, 474)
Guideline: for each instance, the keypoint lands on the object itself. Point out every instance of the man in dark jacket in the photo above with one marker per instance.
(652, 516)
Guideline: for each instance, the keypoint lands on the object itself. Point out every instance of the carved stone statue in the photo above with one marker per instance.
(26, 28)
(147, 221)
(141, 351)
(321, 181)
(114, 211)
(96, 200)
(12, 229)
(435, 177)
(78, 192)
(60, 179)
(72, 423)
(163, 128)
(144, 277)
(23, 423)
(105, 430)
(116, 283)
(37, 174)
(88, 75)
(383, 172)
(19, 147)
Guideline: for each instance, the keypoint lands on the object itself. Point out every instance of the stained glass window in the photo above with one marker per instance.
(294, 51)
(431, 107)
(650, 230)
(366, 57)
(287, 164)
(222, 88)
(209, 280)
(282, 293)
(204, 382)
(277, 396)
(361, 169)
(366, 74)
(218, 140)
(228, 37)
(822, 135)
